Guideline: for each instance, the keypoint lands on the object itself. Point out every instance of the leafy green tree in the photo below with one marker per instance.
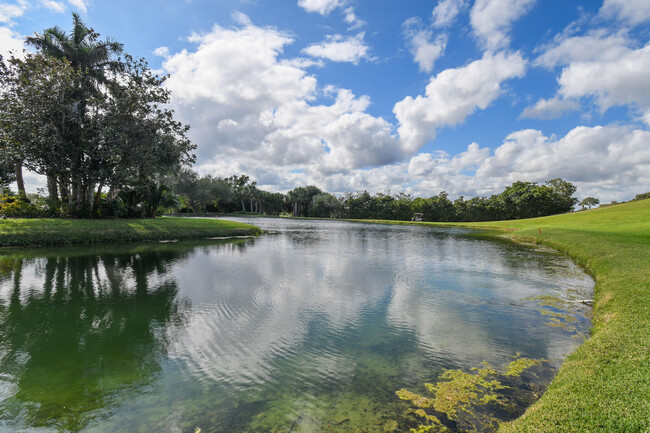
(325, 205)
(89, 122)
(92, 60)
(300, 198)
(240, 187)
(35, 113)
(641, 196)
(589, 202)
(563, 201)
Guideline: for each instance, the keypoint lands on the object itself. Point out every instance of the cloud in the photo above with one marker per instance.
(608, 162)
(446, 11)
(454, 94)
(425, 51)
(492, 19)
(549, 108)
(10, 11)
(352, 19)
(611, 82)
(606, 68)
(338, 48)
(322, 7)
(603, 161)
(79, 5)
(10, 43)
(596, 45)
(54, 6)
(256, 111)
(633, 11)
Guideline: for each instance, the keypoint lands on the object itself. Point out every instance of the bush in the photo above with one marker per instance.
(19, 207)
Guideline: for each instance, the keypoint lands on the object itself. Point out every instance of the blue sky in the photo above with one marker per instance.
(462, 96)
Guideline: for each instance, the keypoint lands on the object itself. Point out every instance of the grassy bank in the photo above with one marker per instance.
(604, 386)
(51, 232)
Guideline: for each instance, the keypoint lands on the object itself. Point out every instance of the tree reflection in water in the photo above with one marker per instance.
(91, 330)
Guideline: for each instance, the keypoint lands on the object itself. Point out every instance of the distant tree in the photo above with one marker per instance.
(589, 202)
(240, 187)
(300, 198)
(643, 196)
(564, 200)
(325, 205)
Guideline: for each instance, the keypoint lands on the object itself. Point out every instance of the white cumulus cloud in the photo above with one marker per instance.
(549, 108)
(254, 112)
(54, 6)
(9, 11)
(79, 5)
(492, 20)
(611, 82)
(425, 49)
(322, 7)
(10, 43)
(338, 48)
(596, 45)
(454, 94)
(446, 11)
(632, 11)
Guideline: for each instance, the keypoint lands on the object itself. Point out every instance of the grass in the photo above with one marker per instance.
(56, 232)
(604, 386)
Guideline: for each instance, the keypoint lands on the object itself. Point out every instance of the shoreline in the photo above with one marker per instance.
(50, 232)
(603, 385)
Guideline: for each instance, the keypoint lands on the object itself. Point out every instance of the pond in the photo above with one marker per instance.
(311, 327)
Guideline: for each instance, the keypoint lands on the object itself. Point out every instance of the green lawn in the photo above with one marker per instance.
(604, 386)
(50, 232)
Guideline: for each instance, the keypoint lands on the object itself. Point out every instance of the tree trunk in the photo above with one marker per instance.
(51, 187)
(243, 207)
(2, 189)
(98, 196)
(112, 193)
(295, 208)
(19, 178)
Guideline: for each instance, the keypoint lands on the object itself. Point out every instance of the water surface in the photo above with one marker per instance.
(309, 328)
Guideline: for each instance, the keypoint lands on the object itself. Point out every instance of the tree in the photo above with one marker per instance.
(92, 60)
(325, 205)
(89, 122)
(564, 200)
(34, 112)
(589, 202)
(240, 186)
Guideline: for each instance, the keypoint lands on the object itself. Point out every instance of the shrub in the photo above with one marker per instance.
(18, 207)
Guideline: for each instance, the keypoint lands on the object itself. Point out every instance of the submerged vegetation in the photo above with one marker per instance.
(468, 401)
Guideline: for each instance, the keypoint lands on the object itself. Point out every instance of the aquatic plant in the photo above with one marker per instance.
(468, 400)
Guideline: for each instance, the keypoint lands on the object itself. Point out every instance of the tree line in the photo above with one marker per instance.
(199, 194)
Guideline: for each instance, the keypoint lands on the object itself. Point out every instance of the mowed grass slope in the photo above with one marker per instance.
(51, 232)
(604, 386)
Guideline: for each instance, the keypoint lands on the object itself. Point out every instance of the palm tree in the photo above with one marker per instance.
(81, 48)
(92, 59)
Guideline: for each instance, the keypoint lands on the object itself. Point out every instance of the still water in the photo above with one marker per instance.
(309, 328)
